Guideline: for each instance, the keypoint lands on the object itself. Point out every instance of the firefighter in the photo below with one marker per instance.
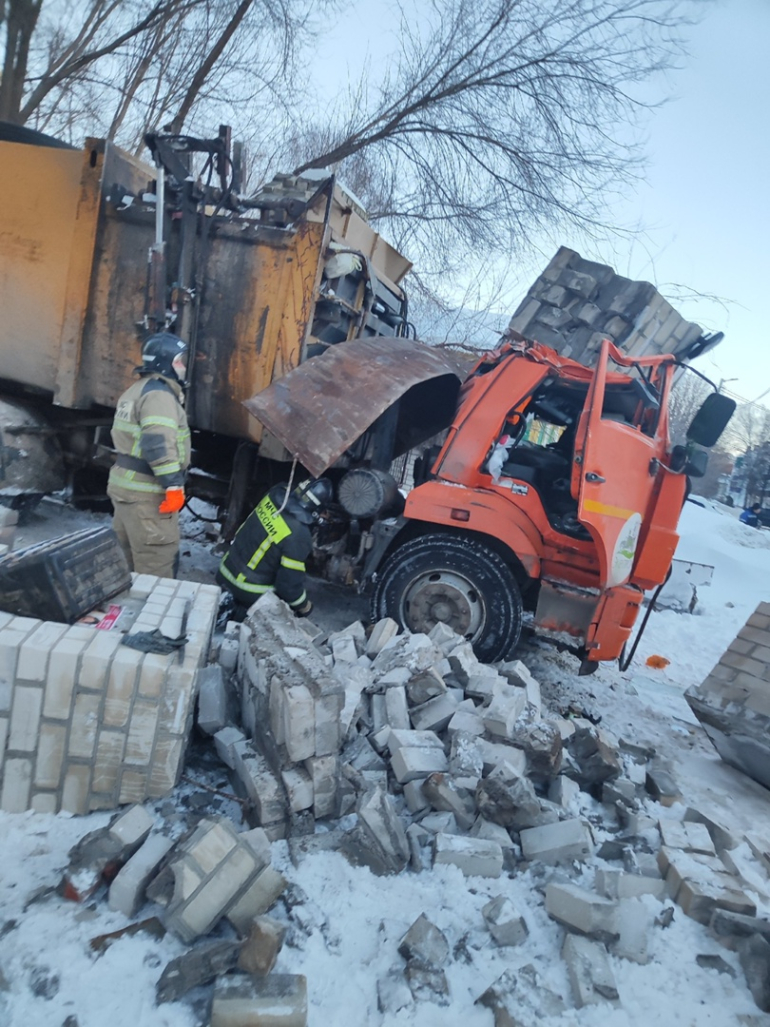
(152, 439)
(271, 546)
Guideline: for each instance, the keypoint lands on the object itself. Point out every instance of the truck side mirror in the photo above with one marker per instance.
(711, 420)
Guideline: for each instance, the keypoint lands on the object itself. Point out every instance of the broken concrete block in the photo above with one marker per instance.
(225, 742)
(482, 684)
(200, 965)
(209, 872)
(409, 764)
(100, 854)
(356, 631)
(466, 764)
(618, 790)
(212, 699)
(445, 797)
(298, 722)
(396, 709)
(617, 884)
(589, 971)
(425, 685)
(542, 744)
(228, 654)
(594, 753)
(731, 928)
(754, 955)
(677, 866)
(424, 942)
(506, 925)
(699, 899)
(507, 706)
(259, 951)
(413, 739)
(519, 999)
(564, 792)
(344, 649)
(324, 772)
(435, 714)
(127, 891)
(690, 837)
(634, 922)
(581, 910)
(261, 895)
(463, 663)
(660, 782)
(415, 797)
(491, 832)
(382, 632)
(495, 753)
(278, 1000)
(557, 842)
(474, 856)
(465, 722)
(507, 799)
(299, 788)
(378, 840)
(261, 785)
(444, 638)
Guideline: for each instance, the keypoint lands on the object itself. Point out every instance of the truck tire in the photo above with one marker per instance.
(460, 581)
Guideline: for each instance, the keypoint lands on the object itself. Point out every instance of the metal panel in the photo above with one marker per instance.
(318, 410)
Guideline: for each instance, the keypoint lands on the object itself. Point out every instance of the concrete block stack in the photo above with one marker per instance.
(576, 303)
(733, 703)
(87, 723)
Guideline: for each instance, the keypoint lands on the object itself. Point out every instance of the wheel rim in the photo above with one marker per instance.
(446, 597)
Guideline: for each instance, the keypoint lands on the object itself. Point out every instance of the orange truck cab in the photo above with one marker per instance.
(556, 490)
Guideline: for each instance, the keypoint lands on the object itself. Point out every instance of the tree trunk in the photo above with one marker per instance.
(21, 21)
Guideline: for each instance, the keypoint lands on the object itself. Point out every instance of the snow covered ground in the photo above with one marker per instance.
(345, 932)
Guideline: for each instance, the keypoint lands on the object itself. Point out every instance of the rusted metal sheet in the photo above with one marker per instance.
(319, 409)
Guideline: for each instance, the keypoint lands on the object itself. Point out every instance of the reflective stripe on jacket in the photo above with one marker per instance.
(150, 427)
(268, 554)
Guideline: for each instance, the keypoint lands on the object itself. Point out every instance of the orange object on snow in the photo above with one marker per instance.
(658, 662)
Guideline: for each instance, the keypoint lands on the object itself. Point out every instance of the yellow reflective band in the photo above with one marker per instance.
(593, 506)
(258, 554)
(276, 527)
(300, 601)
(241, 582)
(160, 422)
(126, 481)
(167, 468)
(292, 565)
(127, 426)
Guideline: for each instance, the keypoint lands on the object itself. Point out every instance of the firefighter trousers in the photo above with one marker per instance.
(149, 539)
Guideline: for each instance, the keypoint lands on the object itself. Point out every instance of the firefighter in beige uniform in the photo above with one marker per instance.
(152, 440)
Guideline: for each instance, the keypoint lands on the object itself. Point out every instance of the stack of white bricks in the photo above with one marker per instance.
(733, 703)
(87, 723)
(287, 685)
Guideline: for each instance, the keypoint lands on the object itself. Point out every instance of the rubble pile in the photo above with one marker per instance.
(414, 754)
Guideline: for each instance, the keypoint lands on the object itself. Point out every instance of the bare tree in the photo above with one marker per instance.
(501, 118)
(688, 393)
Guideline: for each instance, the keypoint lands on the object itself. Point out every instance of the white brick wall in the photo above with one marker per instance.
(86, 723)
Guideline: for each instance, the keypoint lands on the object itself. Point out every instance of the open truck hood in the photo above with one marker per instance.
(318, 410)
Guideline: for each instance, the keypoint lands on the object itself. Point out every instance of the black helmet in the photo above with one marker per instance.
(159, 353)
(309, 498)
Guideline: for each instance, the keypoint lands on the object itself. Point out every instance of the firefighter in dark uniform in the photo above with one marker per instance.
(152, 439)
(270, 548)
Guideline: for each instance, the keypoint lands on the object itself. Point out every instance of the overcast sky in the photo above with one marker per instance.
(706, 198)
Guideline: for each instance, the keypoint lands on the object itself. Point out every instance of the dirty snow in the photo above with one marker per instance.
(345, 933)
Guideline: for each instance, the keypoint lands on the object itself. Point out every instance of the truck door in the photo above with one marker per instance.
(614, 470)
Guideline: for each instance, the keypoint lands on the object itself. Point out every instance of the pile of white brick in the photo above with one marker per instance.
(87, 723)
(435, 759)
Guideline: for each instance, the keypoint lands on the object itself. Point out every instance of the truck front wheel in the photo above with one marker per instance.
(460, 582)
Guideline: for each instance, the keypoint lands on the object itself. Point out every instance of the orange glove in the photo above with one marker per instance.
(174, 500)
